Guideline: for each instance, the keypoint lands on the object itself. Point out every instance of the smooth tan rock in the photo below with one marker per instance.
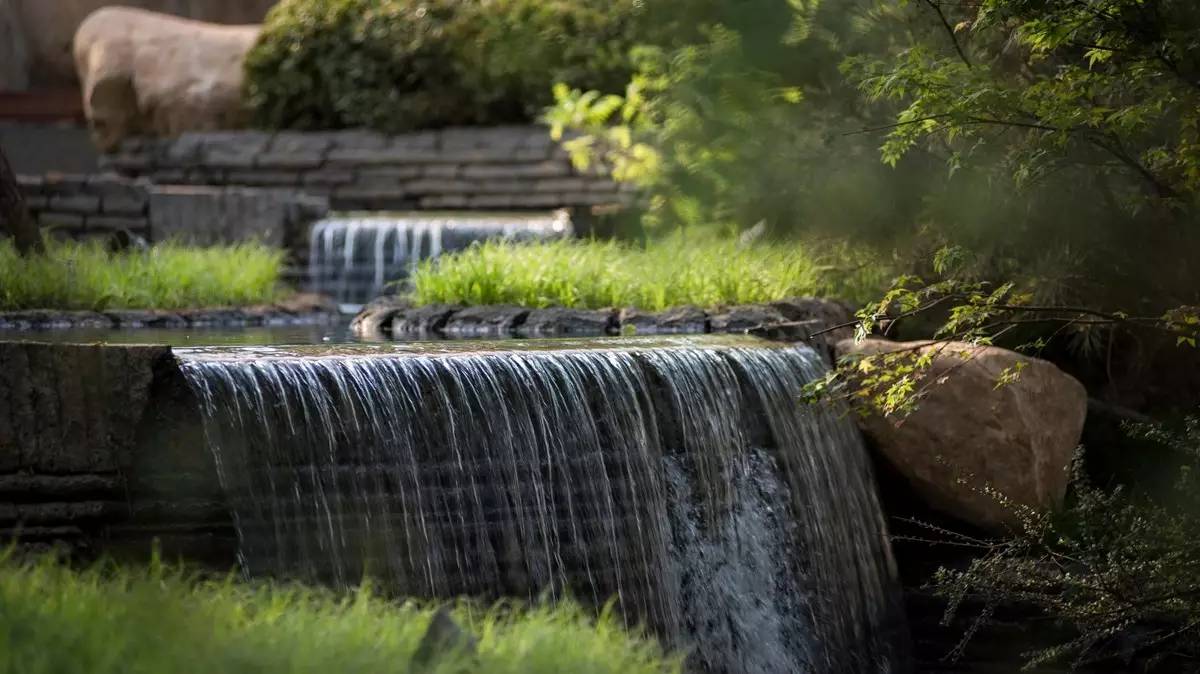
(49, 26)
(968, 433)
(144, 73)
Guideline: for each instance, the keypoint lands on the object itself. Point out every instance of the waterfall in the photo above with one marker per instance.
(352, 257)
(681, 477)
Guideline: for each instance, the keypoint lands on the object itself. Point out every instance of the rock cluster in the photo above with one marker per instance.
(794, 318)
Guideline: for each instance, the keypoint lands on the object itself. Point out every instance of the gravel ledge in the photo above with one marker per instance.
(301, 309)
(793, 318)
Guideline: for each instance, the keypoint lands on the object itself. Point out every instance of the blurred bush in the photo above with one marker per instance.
(399, 65)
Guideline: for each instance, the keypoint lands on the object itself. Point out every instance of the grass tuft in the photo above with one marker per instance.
(670, 272)
(75, 275)
(155, 619)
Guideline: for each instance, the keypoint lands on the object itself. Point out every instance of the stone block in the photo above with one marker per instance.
(185, 150)
(115, 222)
(386, 177)
(210, 215)
(426, 320)
(63, 183)
(559, 321)
(678, 320)
(287, 160)
(545, 169)
(60, 220)
(444, 201)
(328, 176)
(504, 139)
(492, 201)
(485, 321)
(498, 186)
(233, 149)
(263, 178)
(169, 176)
(436, 186)
(441, 171)
(560, 185)
(354, 157)
(30, 183)
(368, 195)
(358, 139)
(531, 200)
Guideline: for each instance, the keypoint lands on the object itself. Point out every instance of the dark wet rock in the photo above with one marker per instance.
(674, 321)
(746, 317)
(819, 315)
(147, 318)
(374, 321)
(443, 638)
(496, 320)
(560, 321)
(43, 319)
(26, 486)
(426, 320)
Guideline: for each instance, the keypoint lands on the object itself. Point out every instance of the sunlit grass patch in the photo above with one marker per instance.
(73, 275)
(670, 272)
(156, 620)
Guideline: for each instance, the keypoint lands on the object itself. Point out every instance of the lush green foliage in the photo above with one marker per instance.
(1088, 113)
(398, 65)
(158, 620)
(1122, 569)
(670, 272)
(167, 276)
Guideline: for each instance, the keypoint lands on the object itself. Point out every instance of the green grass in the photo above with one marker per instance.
(72, 275)
(670, 272)
(154, 621)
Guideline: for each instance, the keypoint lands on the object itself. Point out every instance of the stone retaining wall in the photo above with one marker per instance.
(517, 167)
(98, 454)
(96, 206)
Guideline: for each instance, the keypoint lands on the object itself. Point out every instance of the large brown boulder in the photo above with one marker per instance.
(144, 73)
(48, 28)
(968, 433)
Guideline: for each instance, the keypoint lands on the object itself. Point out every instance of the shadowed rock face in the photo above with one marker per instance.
(969, 434)
(101, 451)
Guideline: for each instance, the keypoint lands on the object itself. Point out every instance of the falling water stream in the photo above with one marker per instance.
(353, 257)
(681, 477)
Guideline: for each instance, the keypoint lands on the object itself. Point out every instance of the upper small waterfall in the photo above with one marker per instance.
(682, 477)
(352, 257)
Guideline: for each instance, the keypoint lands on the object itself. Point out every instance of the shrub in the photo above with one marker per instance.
(105, 621)
(1118, 567)
(73, 275)
(398, 65)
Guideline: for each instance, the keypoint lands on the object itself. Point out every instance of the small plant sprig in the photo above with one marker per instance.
(970, 311)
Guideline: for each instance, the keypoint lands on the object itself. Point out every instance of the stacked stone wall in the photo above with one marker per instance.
(99, 205)
(494, 168)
